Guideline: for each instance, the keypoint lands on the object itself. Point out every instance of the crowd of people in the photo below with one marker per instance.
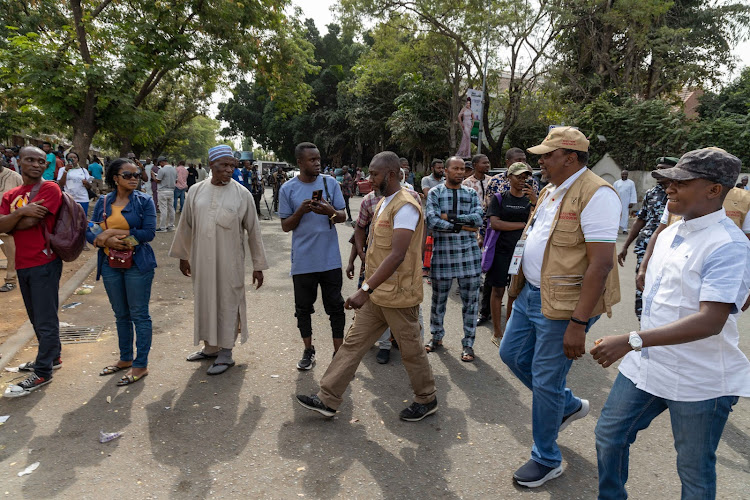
(553, 250)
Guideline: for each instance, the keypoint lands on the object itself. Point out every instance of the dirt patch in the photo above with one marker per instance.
(13, 311)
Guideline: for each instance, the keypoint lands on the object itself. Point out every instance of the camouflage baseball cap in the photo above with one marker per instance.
(669, 161)
(713, 164)
(519, 168)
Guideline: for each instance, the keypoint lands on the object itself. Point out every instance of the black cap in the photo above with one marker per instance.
(713, 164)
(161, 159)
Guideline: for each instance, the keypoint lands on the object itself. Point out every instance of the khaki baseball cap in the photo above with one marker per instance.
(561, 138)
(518, 168)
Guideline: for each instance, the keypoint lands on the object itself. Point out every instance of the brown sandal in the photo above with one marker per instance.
(109, 370)
(433, 345)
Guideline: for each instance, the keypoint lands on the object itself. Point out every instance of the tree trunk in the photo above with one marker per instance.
(126, 146)
(84, 125)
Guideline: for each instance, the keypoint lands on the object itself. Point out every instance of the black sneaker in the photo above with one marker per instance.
(576, 415)
(315, 404)
(533, 474)
(308, 359)
(384, 355)
(418, 411)
(32, 383)
(29, 367)
(482, 319)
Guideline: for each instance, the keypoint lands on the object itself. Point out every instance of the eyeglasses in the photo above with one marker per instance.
(129, 175)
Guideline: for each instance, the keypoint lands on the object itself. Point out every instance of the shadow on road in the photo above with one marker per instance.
(71, 439)
(193, 436)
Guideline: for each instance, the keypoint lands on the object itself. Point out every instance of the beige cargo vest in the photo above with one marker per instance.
(565, 260)
(404, 287)
(736, 205)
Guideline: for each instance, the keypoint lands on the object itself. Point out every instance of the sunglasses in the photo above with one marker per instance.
(129, 175)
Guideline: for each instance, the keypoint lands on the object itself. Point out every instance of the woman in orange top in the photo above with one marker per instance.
(127, 218)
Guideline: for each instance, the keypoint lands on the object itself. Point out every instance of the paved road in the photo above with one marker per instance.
(188, 435)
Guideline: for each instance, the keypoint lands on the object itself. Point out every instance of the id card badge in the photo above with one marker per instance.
(515, 262)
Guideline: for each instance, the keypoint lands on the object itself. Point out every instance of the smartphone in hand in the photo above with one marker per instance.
(317, 195)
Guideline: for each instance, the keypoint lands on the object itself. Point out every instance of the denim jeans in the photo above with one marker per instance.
(179, 195)
(696, 426)
(532, 347)
(39, 287)
(129, 292)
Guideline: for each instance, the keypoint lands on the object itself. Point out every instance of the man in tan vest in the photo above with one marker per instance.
(389, 297)
(9, 179)
(565, 280)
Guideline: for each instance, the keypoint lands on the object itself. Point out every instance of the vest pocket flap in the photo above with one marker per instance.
(387, 286)
(567, 234)
(226, 218)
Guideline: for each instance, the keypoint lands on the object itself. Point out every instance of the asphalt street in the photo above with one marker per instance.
(189, 435)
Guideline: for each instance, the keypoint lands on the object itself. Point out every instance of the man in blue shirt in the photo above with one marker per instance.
(49, 171)
(96, 170)
(310, 205)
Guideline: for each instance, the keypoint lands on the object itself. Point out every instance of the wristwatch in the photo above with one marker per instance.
(635, 341)
(366, 288)
(332, 217)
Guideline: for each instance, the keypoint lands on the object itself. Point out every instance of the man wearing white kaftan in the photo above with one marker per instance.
(628, 197)
(209, 243)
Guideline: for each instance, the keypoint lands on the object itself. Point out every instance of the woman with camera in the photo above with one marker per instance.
(75, 180)
(123, 223)
(508, 212)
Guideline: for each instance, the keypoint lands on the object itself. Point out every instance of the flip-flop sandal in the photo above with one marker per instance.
(433, 346)
(130, 379)
(219, 368)
(467, 355)
(109, 370)
(200, 356)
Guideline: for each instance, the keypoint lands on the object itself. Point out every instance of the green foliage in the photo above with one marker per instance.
(650, 48)
(636, 131)
(420, 121)
(195, 138)
(91, 65)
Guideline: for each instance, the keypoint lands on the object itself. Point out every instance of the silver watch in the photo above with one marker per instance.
(635, 341)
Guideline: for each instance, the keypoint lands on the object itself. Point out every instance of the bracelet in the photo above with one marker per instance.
(578, 321)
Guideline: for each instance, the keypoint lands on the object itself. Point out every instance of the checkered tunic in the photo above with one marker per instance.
(454, 255)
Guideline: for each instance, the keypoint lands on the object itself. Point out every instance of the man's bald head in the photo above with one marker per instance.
(387, 160)
(456, 159)
(30, 150)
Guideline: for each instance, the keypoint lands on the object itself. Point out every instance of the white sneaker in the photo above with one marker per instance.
(577, 415)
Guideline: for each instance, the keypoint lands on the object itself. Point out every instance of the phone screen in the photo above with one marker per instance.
(317, 195)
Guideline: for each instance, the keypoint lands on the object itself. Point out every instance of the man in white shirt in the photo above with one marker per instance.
(166, 179)
(686, 358)
(566, 281)
(628, 197)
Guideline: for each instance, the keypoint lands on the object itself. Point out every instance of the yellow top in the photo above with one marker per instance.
(116, 221)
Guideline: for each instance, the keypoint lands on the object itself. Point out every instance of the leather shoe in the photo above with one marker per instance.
(383, 356)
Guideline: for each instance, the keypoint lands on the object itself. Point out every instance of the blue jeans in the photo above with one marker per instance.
(129, 291)
(696, 426)
(39, 288)
(179, 195)
(532, 347)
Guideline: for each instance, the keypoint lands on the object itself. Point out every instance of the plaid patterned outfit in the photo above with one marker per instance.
(455, 255)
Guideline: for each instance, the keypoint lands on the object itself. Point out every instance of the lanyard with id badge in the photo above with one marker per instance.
(515, 261)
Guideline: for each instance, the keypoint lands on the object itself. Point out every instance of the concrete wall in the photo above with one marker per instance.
(610, 171)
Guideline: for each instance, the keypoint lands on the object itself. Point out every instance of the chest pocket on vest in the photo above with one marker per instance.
(567, 234)
(382, 234)
(227, 218)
